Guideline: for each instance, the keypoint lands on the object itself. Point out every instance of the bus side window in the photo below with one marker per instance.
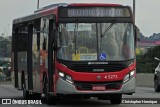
(34, 41)
(44, 34)
(22, 39)
(38, 41)
(36, 36)
(44, 43)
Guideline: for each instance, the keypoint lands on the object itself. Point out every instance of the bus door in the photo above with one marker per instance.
(47, 53)
(51, 58)
(15, 57)
(29, 57)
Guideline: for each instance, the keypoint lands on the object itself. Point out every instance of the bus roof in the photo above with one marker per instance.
(55, 6)
(93, 4)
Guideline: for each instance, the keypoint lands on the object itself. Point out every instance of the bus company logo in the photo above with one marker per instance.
(17, 101)
(98, 70)
(6, 101)
(98, 77)
(98, 63)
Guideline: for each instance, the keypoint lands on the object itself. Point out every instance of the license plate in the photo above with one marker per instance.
(99, 88)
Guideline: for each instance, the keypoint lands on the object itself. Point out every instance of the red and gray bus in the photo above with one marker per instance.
(75, 50)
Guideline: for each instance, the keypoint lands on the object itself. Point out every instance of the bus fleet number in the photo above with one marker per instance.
(111, 77)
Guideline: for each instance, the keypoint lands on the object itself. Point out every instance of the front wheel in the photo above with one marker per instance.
(116, 99)
(156, 85)
(51, 100)
(26, 94)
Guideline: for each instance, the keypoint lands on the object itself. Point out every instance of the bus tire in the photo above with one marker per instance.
(156, 85)
(116, 99)
(50, 100)
(37, 96)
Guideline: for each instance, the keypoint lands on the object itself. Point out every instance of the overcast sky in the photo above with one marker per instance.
(147, 12)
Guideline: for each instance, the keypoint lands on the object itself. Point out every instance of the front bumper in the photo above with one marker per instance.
(63, 87)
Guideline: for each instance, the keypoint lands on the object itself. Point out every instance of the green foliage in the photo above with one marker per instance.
(146, 63)
(5, 47)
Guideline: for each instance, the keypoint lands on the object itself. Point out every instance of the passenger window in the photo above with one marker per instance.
(36, 35)
(44, 34)
(22, 39)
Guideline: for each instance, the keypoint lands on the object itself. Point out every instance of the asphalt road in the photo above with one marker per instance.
(7, 91)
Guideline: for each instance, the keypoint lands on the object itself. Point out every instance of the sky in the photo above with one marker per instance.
(147, 12)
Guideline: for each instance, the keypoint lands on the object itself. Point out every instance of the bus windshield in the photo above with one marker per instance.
(96, 41)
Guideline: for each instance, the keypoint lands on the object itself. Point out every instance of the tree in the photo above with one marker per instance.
(146, 62)
(5, 47)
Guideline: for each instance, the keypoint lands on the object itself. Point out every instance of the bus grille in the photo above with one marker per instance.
(99, 68)
(84, 86)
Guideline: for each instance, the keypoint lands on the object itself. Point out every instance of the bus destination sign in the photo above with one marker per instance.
(95, 12)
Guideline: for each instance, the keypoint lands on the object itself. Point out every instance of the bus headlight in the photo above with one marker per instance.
(69, 79)
(65, 77)
(61, 74)
(129, 76)
(132, 73)
(126, 78)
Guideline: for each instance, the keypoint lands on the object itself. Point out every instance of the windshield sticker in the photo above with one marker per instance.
(102, 56)
(75, 57)
(81, 27)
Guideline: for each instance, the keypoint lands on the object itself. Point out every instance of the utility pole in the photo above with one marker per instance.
(38, 4)
(134, 8)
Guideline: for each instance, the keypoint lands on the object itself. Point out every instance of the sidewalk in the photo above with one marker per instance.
(5, 82)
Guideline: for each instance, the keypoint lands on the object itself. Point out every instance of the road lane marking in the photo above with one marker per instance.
(28, 105)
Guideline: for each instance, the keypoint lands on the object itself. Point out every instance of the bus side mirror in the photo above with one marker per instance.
(157, 59)
(137, 36)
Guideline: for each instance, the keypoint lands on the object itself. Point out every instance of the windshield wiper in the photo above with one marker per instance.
(108, 28)
(106, 31)
(75, 36)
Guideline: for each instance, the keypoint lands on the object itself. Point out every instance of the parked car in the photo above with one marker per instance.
(157, 76)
